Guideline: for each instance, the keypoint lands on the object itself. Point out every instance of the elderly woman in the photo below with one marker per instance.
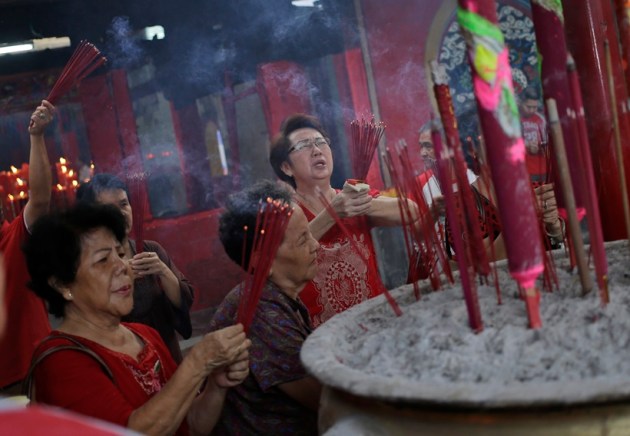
(162, 296)
(278, 396)
(301, 156)
(96, 365)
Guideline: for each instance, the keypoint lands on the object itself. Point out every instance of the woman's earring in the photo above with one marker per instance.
(69, 296)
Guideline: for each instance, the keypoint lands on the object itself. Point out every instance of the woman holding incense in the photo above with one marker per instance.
(162, 296)
(278, 396)
(99, 366)
(27, 320)
(301, 156)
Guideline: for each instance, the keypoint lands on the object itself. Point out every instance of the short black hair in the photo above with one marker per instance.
(54, 247)
(89, 192)
(280, 146)
(241, 209)
(530, 93)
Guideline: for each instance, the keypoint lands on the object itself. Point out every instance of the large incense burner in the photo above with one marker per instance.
(427, 372)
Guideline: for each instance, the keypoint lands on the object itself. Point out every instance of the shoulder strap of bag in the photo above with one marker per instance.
(27, 386)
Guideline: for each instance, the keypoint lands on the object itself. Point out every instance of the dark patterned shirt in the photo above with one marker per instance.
(258, 406)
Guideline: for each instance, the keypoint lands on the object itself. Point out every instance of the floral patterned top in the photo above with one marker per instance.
(258, 406)
(343, 279)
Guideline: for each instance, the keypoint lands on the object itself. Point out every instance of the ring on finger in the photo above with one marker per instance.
(41, 115)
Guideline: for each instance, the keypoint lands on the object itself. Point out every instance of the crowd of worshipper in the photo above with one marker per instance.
(115, 354)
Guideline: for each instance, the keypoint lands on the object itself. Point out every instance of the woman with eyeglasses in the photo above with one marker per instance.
(301, 156)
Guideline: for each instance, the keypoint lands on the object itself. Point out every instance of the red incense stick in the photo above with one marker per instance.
(594, 219)
(492, 79)
(365, 136)
(271, 222)
(468, 286)
(85, 59)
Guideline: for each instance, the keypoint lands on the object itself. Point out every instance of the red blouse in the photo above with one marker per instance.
(343, 279)
(74, 380)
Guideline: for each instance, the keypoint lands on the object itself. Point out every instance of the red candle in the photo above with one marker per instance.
(498, 114)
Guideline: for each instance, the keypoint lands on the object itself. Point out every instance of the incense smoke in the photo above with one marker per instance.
(123, 49)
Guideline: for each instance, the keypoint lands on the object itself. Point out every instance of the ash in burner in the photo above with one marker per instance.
(432, 346)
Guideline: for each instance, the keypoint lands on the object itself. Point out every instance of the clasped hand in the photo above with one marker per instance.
(224, 354)
(147, 263)
(352, 203)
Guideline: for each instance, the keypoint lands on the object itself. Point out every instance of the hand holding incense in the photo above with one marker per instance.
(346, 232)
(271, 222)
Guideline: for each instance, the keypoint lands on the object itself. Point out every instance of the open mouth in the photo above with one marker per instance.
(319, 163)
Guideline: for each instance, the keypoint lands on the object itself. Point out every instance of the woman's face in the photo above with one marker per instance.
(103, 284)
(118, 198)
(296, 259)
(308, 163)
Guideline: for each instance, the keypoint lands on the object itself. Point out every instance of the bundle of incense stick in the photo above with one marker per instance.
(271, 222)
(85, 59)
(138, 203)
(481, 168)
(463, 255)
(365, 136)
(348, 235)
(467, 213)
(419, 227)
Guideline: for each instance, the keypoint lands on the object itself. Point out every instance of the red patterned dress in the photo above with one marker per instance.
(343, 279)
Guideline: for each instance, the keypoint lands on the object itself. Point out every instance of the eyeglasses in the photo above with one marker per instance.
(308, 144)
(426, 145)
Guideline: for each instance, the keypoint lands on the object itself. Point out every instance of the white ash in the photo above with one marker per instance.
(433, 345)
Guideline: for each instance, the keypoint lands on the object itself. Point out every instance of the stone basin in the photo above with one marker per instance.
(427, 373)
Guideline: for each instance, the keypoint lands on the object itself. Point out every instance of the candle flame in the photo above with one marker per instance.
(22, 194)
(59, 187)
(62, 160)
(75, 183)
(70, 173)
(10, 197)
(14, 170)
(64, 169)
(19, 181)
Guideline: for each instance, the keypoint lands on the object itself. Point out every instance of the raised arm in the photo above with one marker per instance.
(40, 176)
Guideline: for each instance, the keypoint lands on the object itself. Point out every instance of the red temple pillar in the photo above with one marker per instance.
(623, 22)
(589, 24)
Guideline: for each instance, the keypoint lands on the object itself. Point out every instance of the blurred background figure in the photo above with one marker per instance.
(534, 128)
